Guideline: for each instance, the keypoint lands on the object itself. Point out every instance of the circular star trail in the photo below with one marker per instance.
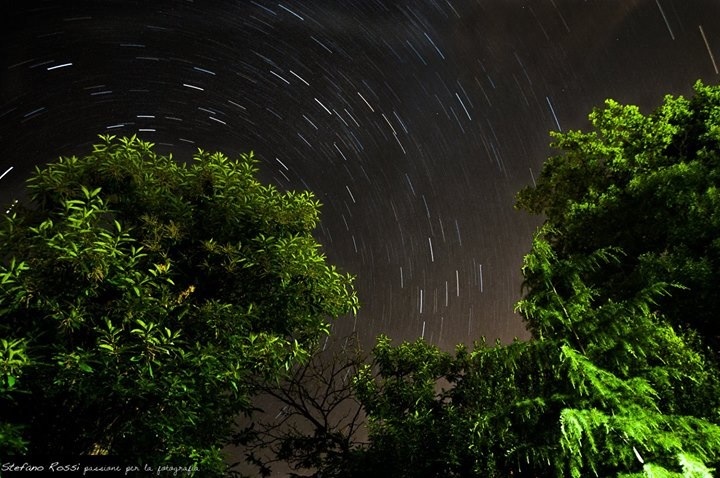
(413, 122)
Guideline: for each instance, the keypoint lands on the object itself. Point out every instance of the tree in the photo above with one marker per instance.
(318, 427)
(648, 185)
(637, 396)
(138, 296)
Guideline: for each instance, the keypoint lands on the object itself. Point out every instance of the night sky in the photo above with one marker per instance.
(414, 122)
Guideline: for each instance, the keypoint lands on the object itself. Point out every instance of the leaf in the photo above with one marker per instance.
(693, 467)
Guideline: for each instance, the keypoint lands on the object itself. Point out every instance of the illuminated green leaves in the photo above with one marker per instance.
(144, 291)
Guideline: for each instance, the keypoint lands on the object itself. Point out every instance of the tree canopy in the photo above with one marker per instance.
(648, 186)
(139, 294)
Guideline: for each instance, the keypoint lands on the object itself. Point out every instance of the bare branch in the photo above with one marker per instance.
(319, 420)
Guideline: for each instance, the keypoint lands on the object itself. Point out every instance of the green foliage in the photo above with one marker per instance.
(138, 295)
(403, 411)
(646, 185)
(13, 362)
(544, 407)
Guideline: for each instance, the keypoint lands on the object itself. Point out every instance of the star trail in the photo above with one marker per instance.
(413, 122)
